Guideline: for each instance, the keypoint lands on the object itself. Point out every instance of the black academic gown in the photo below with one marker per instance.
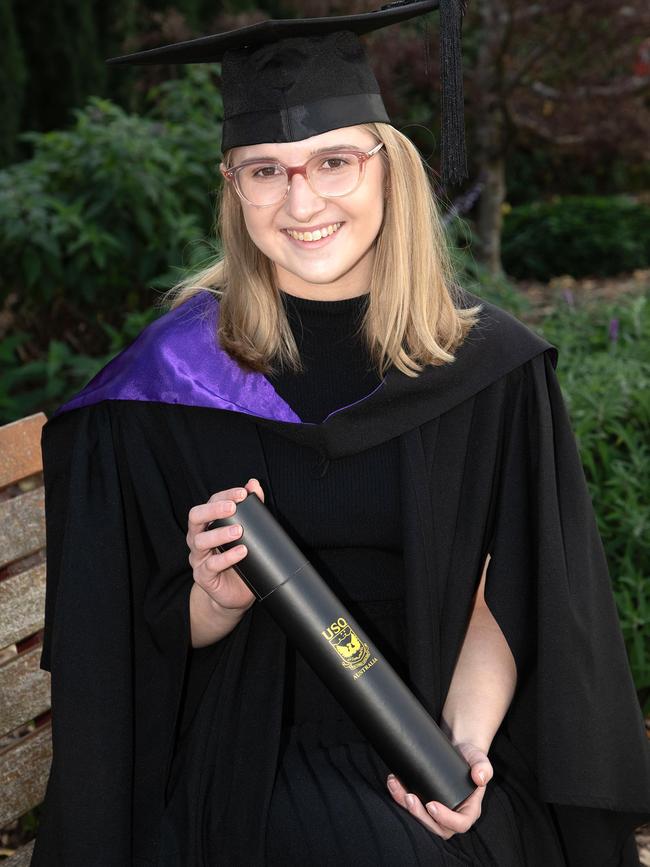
(488, 463)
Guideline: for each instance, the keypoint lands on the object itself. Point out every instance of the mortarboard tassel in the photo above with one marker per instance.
(454, 157)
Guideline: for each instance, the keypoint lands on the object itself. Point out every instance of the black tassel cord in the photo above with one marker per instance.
(454, 157)
(453, 152)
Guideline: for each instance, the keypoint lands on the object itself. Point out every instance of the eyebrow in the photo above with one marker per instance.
(333, 147)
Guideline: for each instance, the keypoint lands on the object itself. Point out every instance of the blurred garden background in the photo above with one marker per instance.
(108, 178)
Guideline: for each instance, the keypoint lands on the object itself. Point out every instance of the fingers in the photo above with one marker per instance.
(207, 560)
(206, 541)
(253, 485)
(203, 558)
(434, 815)
(220, 505)
(217, 563)
(462, 818)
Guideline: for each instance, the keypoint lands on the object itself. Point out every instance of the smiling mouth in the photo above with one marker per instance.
(318, 235)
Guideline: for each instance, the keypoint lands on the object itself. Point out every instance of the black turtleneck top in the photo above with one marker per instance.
(348, 505)
(339, 370)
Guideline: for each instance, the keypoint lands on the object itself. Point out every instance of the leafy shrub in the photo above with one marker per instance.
(578, 235)
(532, 170)
(604, 369)
(102, 210)
(476, 278)
(42, 384)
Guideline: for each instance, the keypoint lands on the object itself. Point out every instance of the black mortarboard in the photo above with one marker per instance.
(289, 79)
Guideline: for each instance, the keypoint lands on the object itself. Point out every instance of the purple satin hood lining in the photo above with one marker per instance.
(177, 359)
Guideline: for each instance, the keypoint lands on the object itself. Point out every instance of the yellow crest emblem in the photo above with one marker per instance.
(352, 652)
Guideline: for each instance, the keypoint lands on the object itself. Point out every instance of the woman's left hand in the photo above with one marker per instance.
(434, 815)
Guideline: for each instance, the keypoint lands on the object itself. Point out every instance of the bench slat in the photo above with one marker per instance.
(24, 771)
(20, 449)
(22, 605)
(22, 520)
(22, 858)
(25, 690)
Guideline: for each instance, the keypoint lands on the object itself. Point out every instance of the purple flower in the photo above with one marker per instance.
(568, 297)
(613, 329)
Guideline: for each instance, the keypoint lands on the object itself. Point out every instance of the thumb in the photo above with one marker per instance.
(482, 772)
(481, 767)
(253, 485)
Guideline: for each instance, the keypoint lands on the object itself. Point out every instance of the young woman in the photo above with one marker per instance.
(413, 442)
(321, 240)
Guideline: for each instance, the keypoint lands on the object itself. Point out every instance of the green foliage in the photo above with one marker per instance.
(581, 235)
(476, 278)
(101, 210)
(604, 369)
(532, 172)
(43, 384)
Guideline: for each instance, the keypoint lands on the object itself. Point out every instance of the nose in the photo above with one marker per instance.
(302, 202)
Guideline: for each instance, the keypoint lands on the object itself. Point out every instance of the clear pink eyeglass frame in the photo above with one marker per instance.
(231, 174)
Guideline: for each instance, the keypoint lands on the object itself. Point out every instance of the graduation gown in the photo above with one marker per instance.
(488, 464)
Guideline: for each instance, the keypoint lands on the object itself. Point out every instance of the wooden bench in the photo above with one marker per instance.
(25, 727)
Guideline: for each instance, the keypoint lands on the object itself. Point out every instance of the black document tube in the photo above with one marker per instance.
(397, 725)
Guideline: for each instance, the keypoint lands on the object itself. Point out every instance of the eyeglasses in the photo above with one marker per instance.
(329, 174)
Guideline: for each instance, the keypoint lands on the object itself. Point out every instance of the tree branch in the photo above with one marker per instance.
(561, 140)
(515, 79)
(634, 85)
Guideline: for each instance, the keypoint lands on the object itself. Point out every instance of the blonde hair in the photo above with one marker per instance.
(414, 315)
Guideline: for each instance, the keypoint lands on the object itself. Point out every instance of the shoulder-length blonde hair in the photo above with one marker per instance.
(414, 315)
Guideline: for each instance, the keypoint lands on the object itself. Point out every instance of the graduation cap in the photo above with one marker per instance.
(289, 79)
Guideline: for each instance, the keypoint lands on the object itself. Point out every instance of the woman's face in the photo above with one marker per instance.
(337, 266)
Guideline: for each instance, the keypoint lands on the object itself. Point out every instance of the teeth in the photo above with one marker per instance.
(314, 236)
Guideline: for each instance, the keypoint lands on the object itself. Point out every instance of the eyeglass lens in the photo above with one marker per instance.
(332, 174)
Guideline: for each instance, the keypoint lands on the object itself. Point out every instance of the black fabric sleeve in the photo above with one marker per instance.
(87, 648)
(137, 714)
(575, 715)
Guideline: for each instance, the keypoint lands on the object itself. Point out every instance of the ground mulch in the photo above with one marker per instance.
(560, 291)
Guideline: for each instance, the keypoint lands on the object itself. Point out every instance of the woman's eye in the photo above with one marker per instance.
(334, 163)
(266, 172)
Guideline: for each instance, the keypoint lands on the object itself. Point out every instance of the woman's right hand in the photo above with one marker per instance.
(214, 572)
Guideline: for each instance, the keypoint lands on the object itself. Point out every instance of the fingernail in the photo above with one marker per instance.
(481, 776)
(432, 809)
(410, 801)
(391, 782)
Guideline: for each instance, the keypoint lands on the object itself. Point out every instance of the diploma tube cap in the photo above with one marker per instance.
(267, 548)
(289, 79)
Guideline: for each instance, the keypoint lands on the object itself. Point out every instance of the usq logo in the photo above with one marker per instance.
(352, 652)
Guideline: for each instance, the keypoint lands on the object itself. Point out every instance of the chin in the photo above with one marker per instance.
(323, 273)
(318, 279)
